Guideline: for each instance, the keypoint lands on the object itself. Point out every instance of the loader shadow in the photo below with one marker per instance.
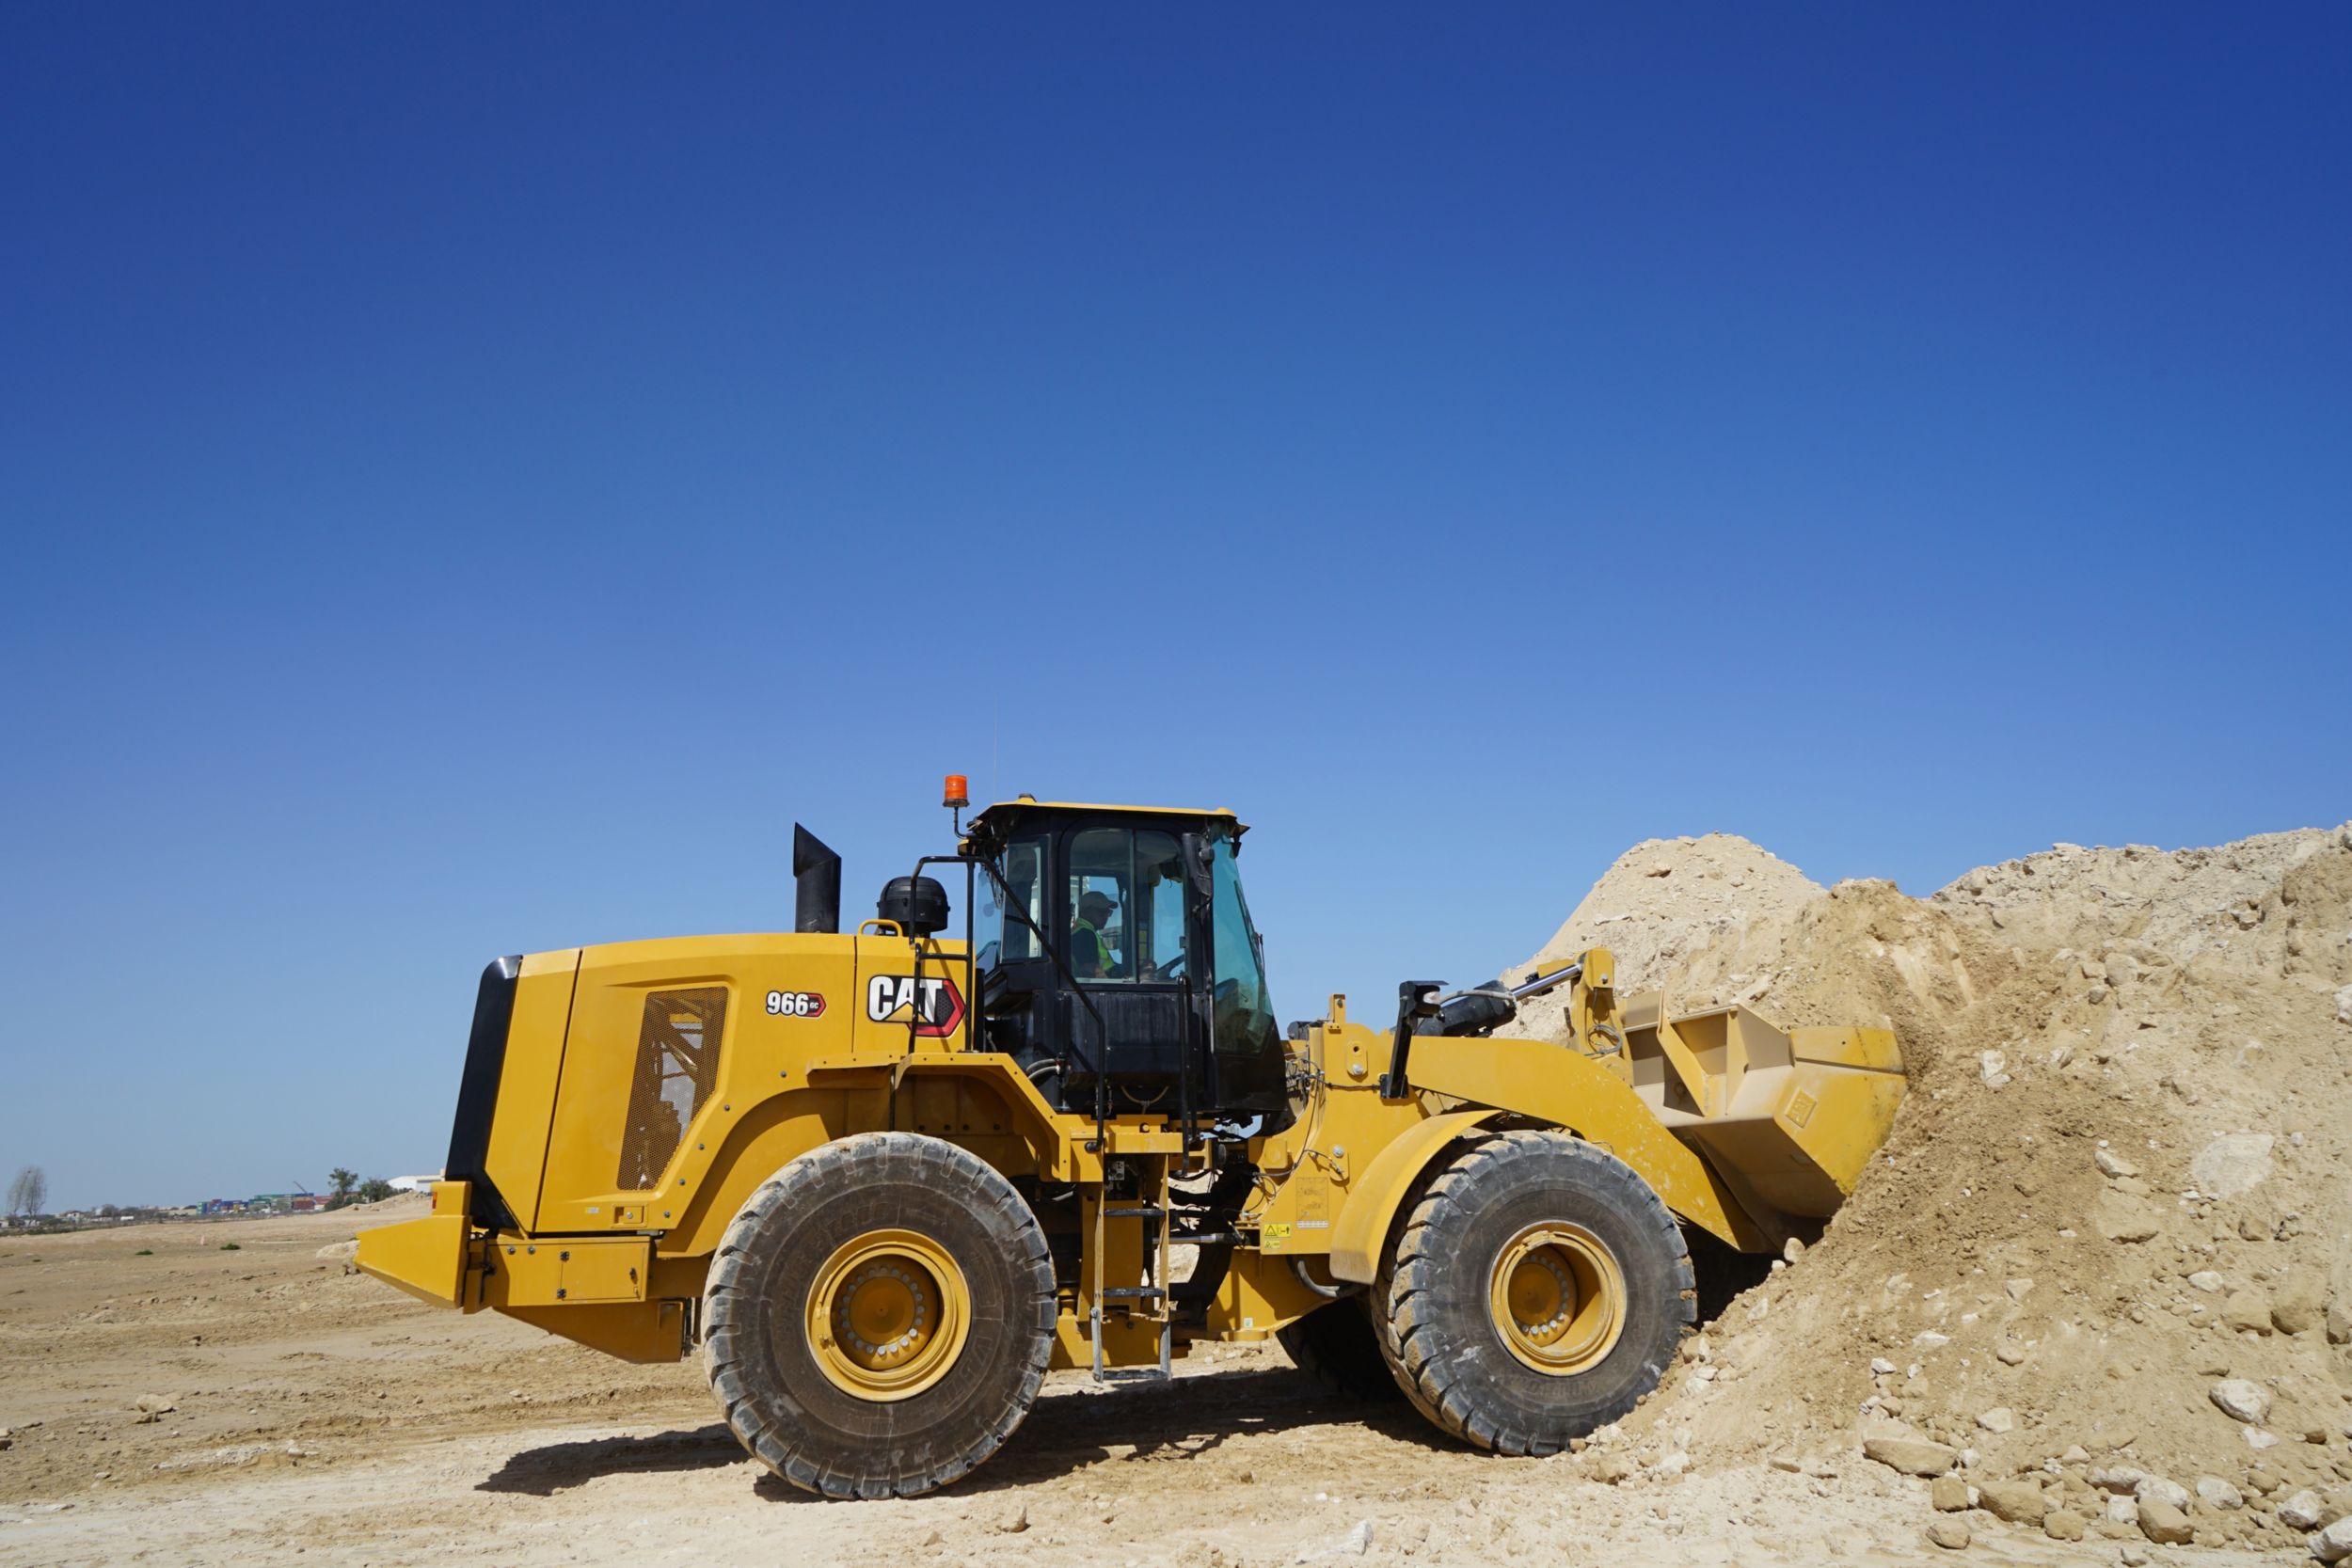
(1070, 1429)
(553, 1468)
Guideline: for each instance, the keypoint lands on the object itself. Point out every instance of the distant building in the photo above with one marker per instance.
(415, 1183)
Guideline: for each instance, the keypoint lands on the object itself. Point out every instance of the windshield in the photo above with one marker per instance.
(1244, 1014)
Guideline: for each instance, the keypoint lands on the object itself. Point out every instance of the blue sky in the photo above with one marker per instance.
(474, 479)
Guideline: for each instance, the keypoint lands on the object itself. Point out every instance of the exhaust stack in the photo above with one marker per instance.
(816, 884)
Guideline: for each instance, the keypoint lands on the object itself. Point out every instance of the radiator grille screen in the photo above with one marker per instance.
(677, 1064)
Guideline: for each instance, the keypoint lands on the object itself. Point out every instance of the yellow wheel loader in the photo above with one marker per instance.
(886, 1180)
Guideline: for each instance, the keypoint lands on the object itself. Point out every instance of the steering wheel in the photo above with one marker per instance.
(1171, 970)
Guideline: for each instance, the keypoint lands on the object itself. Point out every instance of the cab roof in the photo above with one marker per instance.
(1003, 812)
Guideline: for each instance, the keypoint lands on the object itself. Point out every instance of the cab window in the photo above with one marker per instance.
(1004, 937)
(1126, 909)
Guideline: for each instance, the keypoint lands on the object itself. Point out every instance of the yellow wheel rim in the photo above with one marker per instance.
(1558, 1298)
(888, 1314)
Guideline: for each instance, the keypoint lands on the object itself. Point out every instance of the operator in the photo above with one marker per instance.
(1090, 953)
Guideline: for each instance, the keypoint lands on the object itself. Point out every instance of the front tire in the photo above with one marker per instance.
(1534, 1288)
(879, 1317)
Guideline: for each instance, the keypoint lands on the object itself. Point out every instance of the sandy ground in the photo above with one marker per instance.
(2116, 1184)
(321, 1417)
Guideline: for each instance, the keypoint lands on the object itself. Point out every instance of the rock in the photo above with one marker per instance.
(2118, 1478)
(2018, 1288)
(2000, 1418)
(2297, 1303)
(1881, 1367)
(2241, 1400)
(2306, 1510)
(2124, 1218)
(2264, 1480)
(1992, 1067)
(2233, 1164)
(2112, 1163)
(2257, 1439)
(2215, 1493)
(2156, 1489)
(2009, 1354)
(1912, 1456)
(1948, 1494)
(2019, 1502)
(2063, 1524)
(2334, 1543)
(1014, 1520)
(2343, 1005)
(1792, 1251)
(2164, 1523)
(2122, 1511)
(2338, 1324)
(2205, 1280)
(1950, 1534)
(2246, 1310)
(156, 1404)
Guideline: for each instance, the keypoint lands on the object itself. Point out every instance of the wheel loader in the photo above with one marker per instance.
(884, 1181)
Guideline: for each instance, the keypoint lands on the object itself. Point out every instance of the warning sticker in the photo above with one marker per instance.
(1276, 1234)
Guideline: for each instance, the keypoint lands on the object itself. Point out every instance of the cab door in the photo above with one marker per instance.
(1128, 925)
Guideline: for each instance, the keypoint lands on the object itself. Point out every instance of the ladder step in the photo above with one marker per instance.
(1133, 1374)
(1146, 1213)
(1133, 1293)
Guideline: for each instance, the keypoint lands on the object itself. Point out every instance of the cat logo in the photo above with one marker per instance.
(894, 998)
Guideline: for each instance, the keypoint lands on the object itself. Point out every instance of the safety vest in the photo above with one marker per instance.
(1101, 963)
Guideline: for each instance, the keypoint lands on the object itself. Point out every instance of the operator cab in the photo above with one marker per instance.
(1117, 963)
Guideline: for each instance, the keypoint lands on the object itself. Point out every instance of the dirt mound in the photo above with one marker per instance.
(2114, 1191)
(1666, 897)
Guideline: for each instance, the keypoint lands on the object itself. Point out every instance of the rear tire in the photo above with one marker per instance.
(1534, 1288)
(879, 1316)
(1336, 1346)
